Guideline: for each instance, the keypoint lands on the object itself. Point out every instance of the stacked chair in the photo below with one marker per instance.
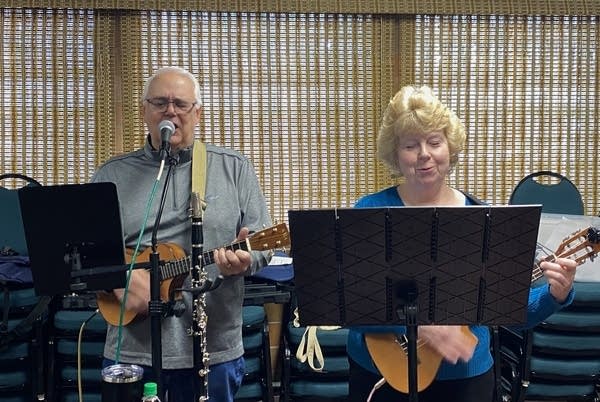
(559, 359)
(304, 378)
(22, 313)
(76, 343)
(21, 349)
(76, 311)
(257, 384)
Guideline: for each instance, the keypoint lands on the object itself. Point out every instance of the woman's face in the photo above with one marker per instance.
(424, 159)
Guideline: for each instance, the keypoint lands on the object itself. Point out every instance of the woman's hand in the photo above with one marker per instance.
(560, 275)
(449, 341)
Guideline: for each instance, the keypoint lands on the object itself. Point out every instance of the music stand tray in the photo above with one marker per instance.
(464, 265)
(74, 237)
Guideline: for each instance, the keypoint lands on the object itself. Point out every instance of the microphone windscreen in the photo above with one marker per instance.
(166, 128)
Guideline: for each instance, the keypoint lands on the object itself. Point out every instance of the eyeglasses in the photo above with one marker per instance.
(162, 104)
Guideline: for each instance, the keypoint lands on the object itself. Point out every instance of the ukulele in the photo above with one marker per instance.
(177, 267)
(390, 351)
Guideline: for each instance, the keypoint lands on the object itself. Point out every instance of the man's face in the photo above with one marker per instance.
(171, 97)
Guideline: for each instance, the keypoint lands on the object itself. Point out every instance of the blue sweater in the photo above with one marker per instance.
(541, 305)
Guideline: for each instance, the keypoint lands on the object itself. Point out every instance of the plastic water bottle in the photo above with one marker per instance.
(150, 393)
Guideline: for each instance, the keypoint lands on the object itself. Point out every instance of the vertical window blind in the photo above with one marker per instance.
(47, 94)
(527, 90)
(302, 94)
(297, 93)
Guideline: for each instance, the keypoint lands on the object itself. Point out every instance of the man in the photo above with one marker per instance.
(235, 205)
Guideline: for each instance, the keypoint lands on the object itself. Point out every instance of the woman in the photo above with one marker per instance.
(419, 140)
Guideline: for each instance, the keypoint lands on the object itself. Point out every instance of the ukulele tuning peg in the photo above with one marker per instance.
(593, 235)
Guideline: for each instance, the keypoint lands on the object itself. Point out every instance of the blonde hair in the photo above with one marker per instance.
(415, 110)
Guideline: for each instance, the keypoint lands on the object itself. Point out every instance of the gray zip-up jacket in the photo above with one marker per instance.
(234, 200)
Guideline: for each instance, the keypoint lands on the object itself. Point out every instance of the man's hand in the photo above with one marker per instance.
(138, 294)
(233, 262)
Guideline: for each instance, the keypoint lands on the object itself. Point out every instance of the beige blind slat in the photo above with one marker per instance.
(47, 87)
(302, 93)
(394, 7)
(526, 89)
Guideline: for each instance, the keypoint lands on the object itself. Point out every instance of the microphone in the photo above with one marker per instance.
(166, 128)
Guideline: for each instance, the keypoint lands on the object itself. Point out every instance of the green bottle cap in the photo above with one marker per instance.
(150, 389)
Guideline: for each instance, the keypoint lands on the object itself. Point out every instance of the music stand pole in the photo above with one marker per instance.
(406, 295)
(411, 335)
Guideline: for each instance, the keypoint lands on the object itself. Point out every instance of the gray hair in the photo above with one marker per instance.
(177, 70)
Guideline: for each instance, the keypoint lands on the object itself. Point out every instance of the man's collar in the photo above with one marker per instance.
(183, 155)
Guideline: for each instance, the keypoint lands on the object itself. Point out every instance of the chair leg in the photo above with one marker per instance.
(267, 362)
(497, 363)
(526, 364)
(51, 393)
(37, 346)
(285, 372)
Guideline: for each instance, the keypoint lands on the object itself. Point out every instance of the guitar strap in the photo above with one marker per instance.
(199, 161)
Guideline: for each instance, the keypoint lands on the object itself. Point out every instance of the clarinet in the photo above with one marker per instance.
(199, 278)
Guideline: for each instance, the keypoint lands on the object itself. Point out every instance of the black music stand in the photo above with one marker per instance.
(414, 266)
(74, 237)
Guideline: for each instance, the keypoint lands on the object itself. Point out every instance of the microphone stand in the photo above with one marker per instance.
(156, 307)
